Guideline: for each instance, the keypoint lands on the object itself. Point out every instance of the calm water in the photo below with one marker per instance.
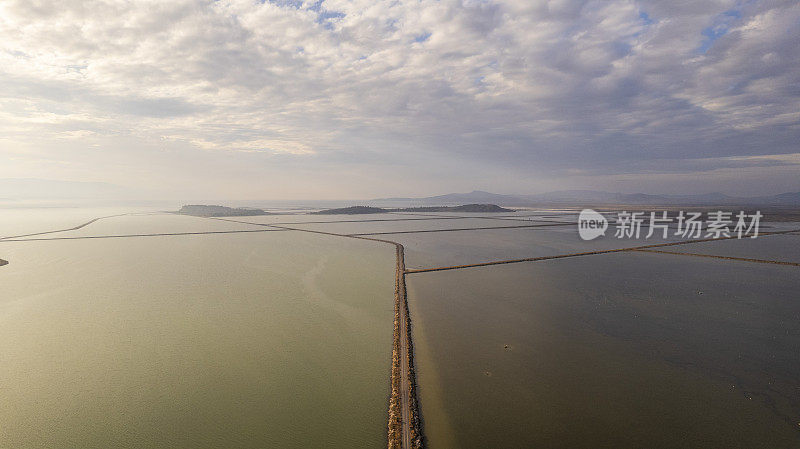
(784, 248)
(282, 339)
(274, 339)
(465, 247)
(17, 221)
(617, 351)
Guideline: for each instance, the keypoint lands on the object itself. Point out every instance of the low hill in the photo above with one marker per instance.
(591, 197)
(353, 210)
(202, 210)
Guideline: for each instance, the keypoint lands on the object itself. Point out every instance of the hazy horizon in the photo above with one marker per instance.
(31, 192)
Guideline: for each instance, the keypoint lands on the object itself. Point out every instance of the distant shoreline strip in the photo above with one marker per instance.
(75, 228)
(606, 251)
(372, 220)
(547, 219)
(510, 261)
(141, 235)
(742, 259)
(539, 225)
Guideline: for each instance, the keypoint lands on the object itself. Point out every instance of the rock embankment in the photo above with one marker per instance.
(395, 412)
(405, 424)
(415, 421)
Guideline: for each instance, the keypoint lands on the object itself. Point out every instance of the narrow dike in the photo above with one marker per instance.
(403, 400)
(395, 425)
(75, 228)
(404, 424)
(404, 427)
(415, 420)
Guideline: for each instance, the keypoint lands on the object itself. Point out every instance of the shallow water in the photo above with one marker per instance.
(616, 350)
(16, 221)
(415, 224)
(275, 339)
(282, 338)
(784, 248)
(466, 247)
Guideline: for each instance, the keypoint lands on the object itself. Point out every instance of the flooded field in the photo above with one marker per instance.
(453, 248)
(18, 221)
(154, 224)
(269, 339)
(615, 350)
(398, 225)
(245, 335)
(785, 248)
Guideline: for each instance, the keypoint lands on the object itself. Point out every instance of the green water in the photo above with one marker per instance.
(611, 351)
(262, 340)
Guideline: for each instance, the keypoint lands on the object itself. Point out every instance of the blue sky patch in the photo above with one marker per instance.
(422, 37)
(721, 26)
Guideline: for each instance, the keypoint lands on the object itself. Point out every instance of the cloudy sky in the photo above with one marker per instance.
(332, 99)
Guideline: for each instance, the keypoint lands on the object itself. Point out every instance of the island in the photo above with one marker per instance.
(352, 210)
(202, 210)
(355, 210)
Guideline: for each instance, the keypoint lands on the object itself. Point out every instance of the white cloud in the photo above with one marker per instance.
(534, 87)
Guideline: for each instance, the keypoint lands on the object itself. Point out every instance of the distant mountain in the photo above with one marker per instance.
(482, 208)
(783, 199)
(592, 197)
(569, 196)
(476, 196)
(706, 199)
(355, 210)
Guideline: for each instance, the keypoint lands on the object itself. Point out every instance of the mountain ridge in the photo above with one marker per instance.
(578, 197)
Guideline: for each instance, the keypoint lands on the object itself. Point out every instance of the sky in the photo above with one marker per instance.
(336, 99)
